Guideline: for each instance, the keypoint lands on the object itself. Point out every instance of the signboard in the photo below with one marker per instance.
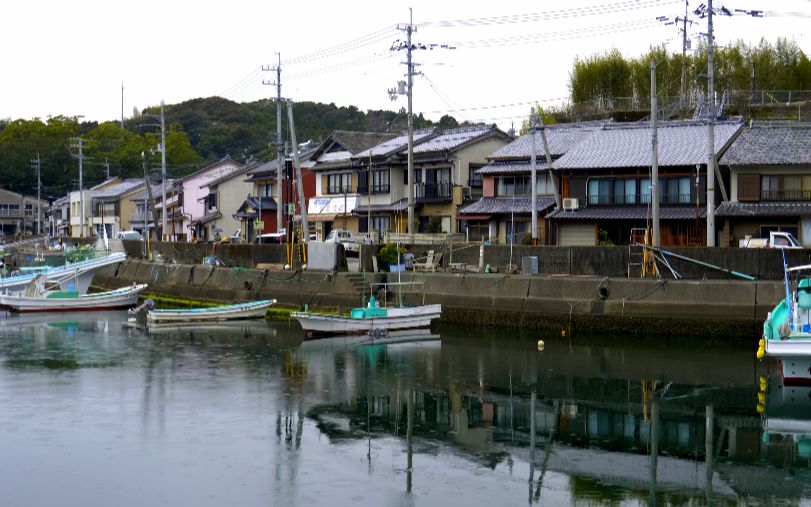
(332, 205)
(258, 224)
(291, 208)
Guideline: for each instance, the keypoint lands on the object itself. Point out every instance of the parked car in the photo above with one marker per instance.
(273, 238)
(776, 239)
(133, 235)
(346, 238)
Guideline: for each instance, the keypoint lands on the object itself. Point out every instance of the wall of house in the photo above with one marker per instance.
(489, 186)
(231, 194)
(475, 153)
(193, 207)
(126, 209)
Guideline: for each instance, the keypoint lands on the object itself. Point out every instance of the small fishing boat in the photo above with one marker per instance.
(71, 277)
(249, 310)
(44, 296)
(787, 329)
(370, 318)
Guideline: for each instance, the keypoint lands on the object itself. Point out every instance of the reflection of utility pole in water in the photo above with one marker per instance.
(708, 450)
(410, 438)
(654, 446)
(547, 450)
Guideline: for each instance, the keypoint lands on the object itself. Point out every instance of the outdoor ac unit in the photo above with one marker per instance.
(570, 203)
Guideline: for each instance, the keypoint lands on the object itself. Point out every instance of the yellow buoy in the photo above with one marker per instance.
(563, 332)
(761, 398)
(761, 353)
(760, 408)
(540, 345)
(762, 343)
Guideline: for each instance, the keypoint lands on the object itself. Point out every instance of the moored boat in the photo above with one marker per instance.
(42, 295)
(787, 329)
(249, 310)
(71, 277)
(369, 318)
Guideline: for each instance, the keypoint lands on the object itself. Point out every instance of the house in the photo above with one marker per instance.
(58, 217)
(198, 208)
(258, 212)
(138, 215)
(770, 182)
(606, 185)
(110, 206)
(81, 208)
(334, 172)
(19, 213)
(504, 211)
(225, 195)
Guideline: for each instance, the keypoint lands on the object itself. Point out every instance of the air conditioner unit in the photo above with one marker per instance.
(570, 203)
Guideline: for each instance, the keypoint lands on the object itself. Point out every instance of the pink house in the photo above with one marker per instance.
(198, 206)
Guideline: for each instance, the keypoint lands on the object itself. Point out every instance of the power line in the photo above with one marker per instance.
(366, 40)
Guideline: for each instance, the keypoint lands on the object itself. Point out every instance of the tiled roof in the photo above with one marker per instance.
(228, 176)
(763, 209)
(561, 138)
(356, 142)
(394, 145)
(453, 139)
(681, 143)
(513, 167)
(253, 202)
(771, 144)
(224, 161)
(157, 190)
(114, 191)
(496, 205)
(626, 213)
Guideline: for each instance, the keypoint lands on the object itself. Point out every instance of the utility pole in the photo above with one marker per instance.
(107, 168)
(78, 142)
(654, 141)
(36, 165)
(533, 183)
(710, 131)
(279, 152)
(163, 235)
(305, 226)
(122, 104)
(409, 47)
(149, 205)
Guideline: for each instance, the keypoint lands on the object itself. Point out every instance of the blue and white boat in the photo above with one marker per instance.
(249, 310)
(787, 329)
(75, 277)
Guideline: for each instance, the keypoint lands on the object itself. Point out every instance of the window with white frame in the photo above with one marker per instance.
(340, 183)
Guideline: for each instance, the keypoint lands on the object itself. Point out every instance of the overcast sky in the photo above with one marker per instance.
(70, 58)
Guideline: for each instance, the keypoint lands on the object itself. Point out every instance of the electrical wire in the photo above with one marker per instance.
(366, 40)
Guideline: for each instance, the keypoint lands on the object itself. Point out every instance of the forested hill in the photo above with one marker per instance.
(217, 127)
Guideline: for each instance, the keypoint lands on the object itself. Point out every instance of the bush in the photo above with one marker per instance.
(388, 254)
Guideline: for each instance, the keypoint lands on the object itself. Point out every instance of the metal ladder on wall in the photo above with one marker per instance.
(636, 254)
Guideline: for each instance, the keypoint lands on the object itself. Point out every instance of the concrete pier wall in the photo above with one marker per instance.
(730, 308)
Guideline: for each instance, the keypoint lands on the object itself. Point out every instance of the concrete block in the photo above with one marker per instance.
(322, 256)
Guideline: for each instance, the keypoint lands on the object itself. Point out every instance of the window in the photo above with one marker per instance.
(417, 176)
(29, 210)
(770, 188)
(339, 183)
(10, 209)
(264, 190)
(748, 187)
(513, 185)
(474, 180)
(380, 224)
(380, 181)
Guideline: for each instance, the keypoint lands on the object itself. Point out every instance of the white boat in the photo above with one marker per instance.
(787, 329)
(71, 277)
(250, 310)
(370, 318)
(39, 298)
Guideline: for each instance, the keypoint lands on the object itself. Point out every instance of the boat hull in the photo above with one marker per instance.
(396, 318)
(73, 277)
(121, 298)
(794, 354)
(252, 310)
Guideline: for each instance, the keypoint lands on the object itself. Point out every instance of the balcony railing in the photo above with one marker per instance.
(633, 199)
(785, 195)
(374, 189)
(433, 191)
(337, 189)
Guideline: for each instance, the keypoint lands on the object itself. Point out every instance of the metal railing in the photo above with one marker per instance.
(428, 191)
(634, 199)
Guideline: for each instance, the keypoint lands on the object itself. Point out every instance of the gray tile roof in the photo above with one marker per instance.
(681, 143)
(394, 145)
(626, 213)
(771, 144)
(561, 138)
(356, 142)
(454, 139)
(763, 209)
(504, 205)
(157, 191)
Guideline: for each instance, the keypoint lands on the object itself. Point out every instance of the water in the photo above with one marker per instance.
(96, 414)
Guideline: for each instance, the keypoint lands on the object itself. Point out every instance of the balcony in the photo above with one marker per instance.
(433, 191)
(140, 217)
(374, 189)
(785, 195)
(636, 199)
(337, 189)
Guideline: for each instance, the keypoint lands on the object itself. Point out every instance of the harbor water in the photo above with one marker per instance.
(97, 413)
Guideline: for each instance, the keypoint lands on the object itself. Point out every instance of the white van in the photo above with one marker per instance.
(134, 235)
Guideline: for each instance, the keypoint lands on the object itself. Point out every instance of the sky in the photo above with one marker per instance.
(71, 58)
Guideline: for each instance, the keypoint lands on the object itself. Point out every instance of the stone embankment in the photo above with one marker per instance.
(730, 309)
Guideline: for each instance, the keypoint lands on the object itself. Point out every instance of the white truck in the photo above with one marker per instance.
(776, 239)
(350, 240)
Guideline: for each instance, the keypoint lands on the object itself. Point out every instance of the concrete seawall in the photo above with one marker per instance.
(730, 309)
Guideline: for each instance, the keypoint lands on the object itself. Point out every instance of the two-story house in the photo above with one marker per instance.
(606, 183)
(225, 194)
(18, 213)
(339, 185)
(198, 208)
(111, 208)
(137, 214)
(504, 211)
(80, 215)
(770, 182)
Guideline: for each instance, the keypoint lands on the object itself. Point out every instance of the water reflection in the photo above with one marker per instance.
(249, 413)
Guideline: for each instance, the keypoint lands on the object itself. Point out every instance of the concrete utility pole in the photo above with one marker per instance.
(36, 164)
(78, 142)
(305, 226)
(549, 169)
(163, 175)
(149, 204)
(122, 104)
(533, 183)
(279, 151)
(654, 141)
(710, 131)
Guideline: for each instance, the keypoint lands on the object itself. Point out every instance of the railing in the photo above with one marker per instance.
(375, 189)
(785, 195)
(339, 189)
(633, 199)
(429, 191)
(10, 213)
